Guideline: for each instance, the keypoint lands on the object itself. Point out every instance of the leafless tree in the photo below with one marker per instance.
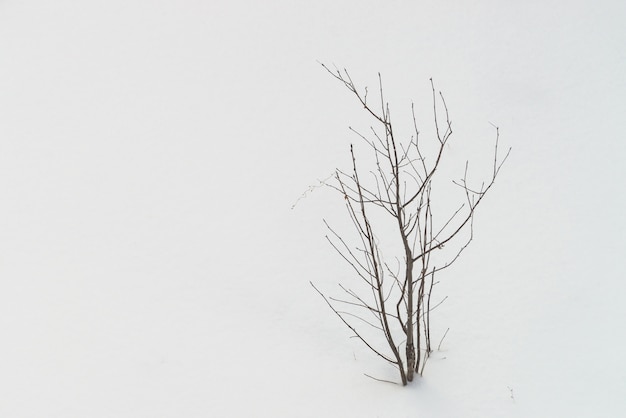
(395, 193)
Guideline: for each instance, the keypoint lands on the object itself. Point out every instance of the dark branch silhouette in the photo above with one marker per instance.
(399, 185)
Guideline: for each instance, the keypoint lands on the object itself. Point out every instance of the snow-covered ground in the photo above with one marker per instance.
(151, 264)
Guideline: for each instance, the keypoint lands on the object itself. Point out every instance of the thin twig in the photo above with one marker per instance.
(444, 336)
(380, 380)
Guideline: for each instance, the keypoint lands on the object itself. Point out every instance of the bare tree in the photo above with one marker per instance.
(396, 193)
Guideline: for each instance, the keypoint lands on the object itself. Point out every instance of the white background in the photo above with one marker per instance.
(151, 264)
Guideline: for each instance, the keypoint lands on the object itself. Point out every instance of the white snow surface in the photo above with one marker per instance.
(151, 264)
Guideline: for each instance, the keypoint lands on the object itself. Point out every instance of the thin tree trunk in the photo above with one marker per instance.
(410, 344)
(419, 309)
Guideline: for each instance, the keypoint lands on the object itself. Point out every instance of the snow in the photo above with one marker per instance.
(151, 152)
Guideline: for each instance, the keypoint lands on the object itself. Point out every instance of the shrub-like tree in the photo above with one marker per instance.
(396, 193)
